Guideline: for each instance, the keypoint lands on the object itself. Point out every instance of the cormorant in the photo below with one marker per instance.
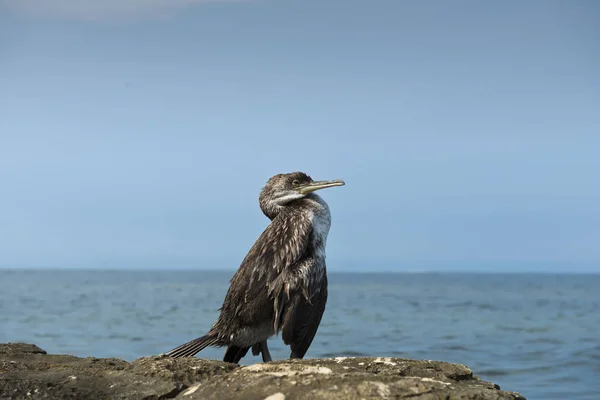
(281, 285)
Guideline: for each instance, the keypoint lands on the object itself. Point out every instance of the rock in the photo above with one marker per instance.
(28, 372)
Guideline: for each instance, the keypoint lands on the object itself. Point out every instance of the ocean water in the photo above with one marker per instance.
(533, 333)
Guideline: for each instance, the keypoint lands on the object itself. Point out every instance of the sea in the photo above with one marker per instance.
(538, 334)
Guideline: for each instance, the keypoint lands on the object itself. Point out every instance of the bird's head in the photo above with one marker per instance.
(282, 189)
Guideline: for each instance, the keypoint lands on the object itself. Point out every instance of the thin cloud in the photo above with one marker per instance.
(102, 9)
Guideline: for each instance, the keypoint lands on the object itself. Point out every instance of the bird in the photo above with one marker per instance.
(281, 284)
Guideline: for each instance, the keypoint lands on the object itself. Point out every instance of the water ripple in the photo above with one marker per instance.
(536, 334)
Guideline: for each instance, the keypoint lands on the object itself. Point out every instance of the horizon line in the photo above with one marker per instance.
(334, 271)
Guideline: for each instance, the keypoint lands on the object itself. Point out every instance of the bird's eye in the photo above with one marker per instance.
(295, 182)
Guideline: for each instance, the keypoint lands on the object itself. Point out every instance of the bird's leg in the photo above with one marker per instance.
(266, 356)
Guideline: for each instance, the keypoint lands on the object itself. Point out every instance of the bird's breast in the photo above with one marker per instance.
(315, 267)
(321, 222)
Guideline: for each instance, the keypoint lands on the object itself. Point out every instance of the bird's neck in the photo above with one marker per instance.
(321, 222)
(312, 204)
(316, 209)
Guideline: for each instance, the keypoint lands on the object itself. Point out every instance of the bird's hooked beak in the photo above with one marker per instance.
(316, 185)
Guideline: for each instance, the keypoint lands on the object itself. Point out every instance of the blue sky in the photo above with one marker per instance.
(138, 134)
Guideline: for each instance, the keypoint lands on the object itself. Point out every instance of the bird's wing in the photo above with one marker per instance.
(301, 319)
(280, 246)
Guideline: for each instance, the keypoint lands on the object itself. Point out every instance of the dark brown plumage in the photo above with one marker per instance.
(281, 284)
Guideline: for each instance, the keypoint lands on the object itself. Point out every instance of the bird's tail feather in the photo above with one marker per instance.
(193, 346)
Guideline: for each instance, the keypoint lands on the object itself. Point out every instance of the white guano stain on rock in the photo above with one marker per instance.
(192, 389)
(270, 370)
(276, 396)
(257, 367)
(384, 360)
(323, 370)
(286, 370)
(433, 380)
(340, 359)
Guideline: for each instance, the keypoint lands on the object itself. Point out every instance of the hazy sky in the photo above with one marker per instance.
(138, 133)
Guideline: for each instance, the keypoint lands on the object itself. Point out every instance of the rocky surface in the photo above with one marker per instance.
(27, 372)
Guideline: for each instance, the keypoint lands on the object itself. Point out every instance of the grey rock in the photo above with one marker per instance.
(28, 372)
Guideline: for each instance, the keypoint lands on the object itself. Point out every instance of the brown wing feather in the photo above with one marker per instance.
(250, 297)
(301, 319)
